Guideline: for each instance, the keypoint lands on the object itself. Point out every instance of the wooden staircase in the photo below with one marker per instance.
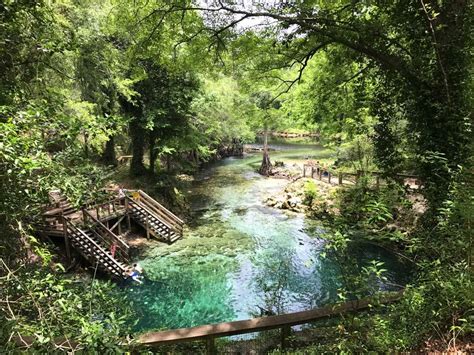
(156, 219)
(90, 245)
(87, 229)
(60, 202)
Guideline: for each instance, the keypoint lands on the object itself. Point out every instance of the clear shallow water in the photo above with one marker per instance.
(240, 258)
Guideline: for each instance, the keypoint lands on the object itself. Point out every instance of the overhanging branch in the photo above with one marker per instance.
(332, 30)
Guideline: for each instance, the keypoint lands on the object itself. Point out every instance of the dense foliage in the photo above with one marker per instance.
(387, 84)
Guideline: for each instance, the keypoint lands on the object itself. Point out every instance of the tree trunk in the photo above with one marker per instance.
(108, 157)
(266, 166)
(153, 153)
(441, 112)
(86, 144)
(137, 134)
(196, 157)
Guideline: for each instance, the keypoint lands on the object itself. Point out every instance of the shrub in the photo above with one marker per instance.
(310, 193)
(46, 306)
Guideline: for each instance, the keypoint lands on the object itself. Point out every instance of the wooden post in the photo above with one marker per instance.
(312, 172)
(340, 178)
(304, 170)
(119, 228)
(84, 215)
(210, 346)
(97, 212)
(329, 177)
(66, 240)
(320, 175)
(285, 333)
(147, 227)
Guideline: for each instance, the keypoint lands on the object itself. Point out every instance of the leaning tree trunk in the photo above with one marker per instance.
(266, 166)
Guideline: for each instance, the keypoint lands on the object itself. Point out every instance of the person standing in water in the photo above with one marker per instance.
(136, 272)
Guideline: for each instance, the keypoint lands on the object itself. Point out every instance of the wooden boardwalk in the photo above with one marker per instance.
(97, 231)
(341, 178)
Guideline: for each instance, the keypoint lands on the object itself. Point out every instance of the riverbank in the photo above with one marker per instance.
(293, 196)
(382, 215)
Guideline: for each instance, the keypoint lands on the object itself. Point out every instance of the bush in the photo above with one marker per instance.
(45, 306)
(310, 193)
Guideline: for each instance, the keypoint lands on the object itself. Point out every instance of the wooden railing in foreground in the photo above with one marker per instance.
(284, 322)
(212, 331)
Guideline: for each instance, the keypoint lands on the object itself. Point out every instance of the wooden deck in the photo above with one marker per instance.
(97, 231)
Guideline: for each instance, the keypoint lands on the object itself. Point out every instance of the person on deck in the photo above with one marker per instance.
(121, 192)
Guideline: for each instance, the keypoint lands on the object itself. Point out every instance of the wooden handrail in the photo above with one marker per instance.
(211, 331)
(146, 207)
(335, 172)
(97, 248)
(113, 236)
(163, 210)
(120, 253)
(92, 205)
(171, 214)
(164, 218)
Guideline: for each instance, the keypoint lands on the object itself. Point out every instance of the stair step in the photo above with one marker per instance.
(154, 222)
(156, 226)
(175, 238)
(84, 244)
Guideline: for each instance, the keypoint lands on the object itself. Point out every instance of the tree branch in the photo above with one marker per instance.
(436, 49)
(306, 59)
(334, 32)
(355, 75)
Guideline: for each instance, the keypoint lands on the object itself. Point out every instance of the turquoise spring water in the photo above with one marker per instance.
(239, 258)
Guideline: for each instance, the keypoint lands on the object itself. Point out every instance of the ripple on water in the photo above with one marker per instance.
(239, 257)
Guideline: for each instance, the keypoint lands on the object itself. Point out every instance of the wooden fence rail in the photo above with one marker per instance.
(320, 172)
(283, 322)
(210, 332)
